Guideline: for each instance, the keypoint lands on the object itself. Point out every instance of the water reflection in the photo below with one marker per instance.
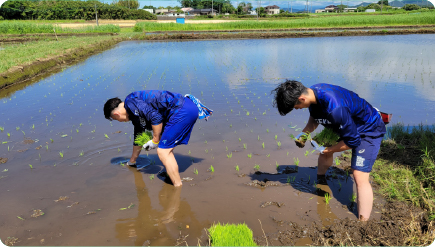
(157, 227)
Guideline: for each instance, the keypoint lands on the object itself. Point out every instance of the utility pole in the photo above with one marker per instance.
(212, 7)
(291, 6)
(96, 14)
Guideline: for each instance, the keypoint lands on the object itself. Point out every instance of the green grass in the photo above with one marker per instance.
(18, 27)
(324, 21)
(405, 168)
(231, 235)
(19, 54)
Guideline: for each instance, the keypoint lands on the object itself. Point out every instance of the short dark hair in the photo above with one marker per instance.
(286, 95)
(110, 105)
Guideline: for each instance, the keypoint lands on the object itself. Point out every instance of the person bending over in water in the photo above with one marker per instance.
(170, 116)
(358, 124)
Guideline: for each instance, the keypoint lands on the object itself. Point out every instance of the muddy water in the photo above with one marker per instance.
(63, 156)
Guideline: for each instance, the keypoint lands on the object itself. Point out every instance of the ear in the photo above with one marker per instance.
(302, 98)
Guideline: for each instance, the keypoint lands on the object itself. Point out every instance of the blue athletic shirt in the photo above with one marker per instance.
(151, 107)
(346, 114)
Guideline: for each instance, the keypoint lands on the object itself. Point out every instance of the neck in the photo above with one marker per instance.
(311, 96)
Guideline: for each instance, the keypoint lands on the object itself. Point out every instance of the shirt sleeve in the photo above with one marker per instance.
(347, 130)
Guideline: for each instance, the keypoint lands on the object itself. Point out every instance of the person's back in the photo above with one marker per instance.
(332, 99)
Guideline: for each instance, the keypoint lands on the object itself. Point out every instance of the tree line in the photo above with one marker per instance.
(70, 9)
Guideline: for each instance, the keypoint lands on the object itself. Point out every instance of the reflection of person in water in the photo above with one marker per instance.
(153, 225)
(358, 124)
(169, 115)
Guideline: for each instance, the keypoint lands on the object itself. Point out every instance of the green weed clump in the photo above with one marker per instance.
(231, 235)
(143, 138)
(405, 167)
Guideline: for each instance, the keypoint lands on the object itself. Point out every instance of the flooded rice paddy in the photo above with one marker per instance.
(61, 178)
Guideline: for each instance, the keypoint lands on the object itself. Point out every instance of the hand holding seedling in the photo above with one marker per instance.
(150, 145)
(300, 139)
(317, 147)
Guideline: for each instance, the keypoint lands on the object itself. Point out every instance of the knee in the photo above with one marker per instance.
(162, 153)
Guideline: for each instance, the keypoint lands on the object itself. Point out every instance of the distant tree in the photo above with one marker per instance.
(161, 7)
(411, 7)
(341, 7)
(261, 11)
(249, 6)
(148, 7)
(281, 11)
(228, 8)
(131, 4)
(385, 2)
(375, 6)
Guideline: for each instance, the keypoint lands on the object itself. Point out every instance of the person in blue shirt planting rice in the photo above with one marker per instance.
(171, 117)
(358, 124)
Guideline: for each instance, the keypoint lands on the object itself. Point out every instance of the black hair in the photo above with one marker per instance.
(110, 105)
(286, 95)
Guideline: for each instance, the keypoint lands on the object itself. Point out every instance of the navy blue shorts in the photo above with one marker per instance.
(177, 130)
(364, 156)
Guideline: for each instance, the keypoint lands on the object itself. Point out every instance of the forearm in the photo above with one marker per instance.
(135, 154)
(311, 125)
(339, 147)
(157, 132)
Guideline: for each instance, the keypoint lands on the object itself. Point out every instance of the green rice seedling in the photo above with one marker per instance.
(151, 176)
(267, 130)
(327, 198)
(258, 137)
(267, 155)
(249, 155)
(276, 137)
(23, 133)
(205, 142)
(231, 125)
(51, 140)
(247, 113)
(230, 155)
(77, 130)
(237, 168)
(143, 138)
(211, 168)
(244, 146)
(31, 167)
(81, 153)
(17, 128)
(195, 171)
(20, 218)
(226, 148)
(283, 129)
(46, 146)
(262, 145)
(277, 165)
(119, 150)
(255, 118)
(240, 139)
(223, 141)
(206, 151)
(279, 144)
(296, 160)
(257, 167)
(231, 235)
(327, 136)
(63, 136)
(2, 129)
(339, 183)
(307, 153)
(8, 148)
(105, 135)
(337, 161)
(189, 152)
(353, 197)
(61, 154)
(33, 126)
(9, 135)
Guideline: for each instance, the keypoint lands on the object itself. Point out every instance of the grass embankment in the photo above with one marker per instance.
(231, 235)
(21, 61)
(326, 22)
(17, 27)
(405, 168)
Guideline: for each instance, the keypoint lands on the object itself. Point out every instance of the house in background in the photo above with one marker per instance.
(349, 10)
(161, 11)
(272, 10)
(202, 12)
(149, 10)
(331, 8)
(370, 10)
(320, 10)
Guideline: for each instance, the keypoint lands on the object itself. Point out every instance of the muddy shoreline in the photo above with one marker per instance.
(21, 73)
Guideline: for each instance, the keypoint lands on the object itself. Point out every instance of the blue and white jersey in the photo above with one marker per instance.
(151, 107)
(346, 114)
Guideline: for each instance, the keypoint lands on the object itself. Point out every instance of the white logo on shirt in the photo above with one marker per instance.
(323, 121)
(136, 113)
(361, 151)
(359, 161)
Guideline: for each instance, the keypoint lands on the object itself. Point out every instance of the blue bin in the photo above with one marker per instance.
(180, 20)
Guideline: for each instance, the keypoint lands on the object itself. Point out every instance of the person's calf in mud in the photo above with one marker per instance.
(359, 126)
